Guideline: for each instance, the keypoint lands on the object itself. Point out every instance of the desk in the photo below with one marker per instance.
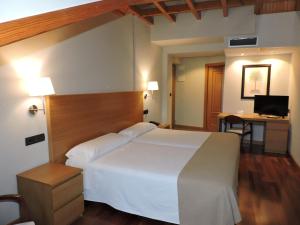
(276, 130)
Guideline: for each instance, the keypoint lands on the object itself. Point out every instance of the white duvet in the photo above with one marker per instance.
(138, 178)
(141, 177)
(177, 138)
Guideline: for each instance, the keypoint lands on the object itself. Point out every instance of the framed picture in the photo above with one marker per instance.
(255, 80)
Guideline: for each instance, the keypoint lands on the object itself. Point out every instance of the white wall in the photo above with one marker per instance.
(280, 75)
(278, 29)
(273, 30)
(81, 58)
(168, 52)
(16, 9)
(213, 24)
(295, 107)
(148, 68)
(190, 90)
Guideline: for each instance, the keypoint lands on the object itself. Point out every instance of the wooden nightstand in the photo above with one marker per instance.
(164, 126)
(53, 193)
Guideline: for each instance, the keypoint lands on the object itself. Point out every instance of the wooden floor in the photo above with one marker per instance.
(269, 194)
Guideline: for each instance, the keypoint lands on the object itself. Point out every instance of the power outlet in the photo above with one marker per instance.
(34, 139)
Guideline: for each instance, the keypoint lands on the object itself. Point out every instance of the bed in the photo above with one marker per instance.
(180, 177)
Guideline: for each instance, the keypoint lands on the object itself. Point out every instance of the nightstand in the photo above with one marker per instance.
(53, 193)
(164, 126)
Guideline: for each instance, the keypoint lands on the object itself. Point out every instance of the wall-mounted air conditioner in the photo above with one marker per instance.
(238, 42)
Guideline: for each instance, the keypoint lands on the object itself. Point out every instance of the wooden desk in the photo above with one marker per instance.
(276, 130)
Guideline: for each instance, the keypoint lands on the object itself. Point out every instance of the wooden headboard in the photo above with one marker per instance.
(73, 119)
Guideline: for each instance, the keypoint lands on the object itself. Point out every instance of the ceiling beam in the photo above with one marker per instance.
(20, 29)
(163, 8)
(142, 2)
(135, 11)
(199, 6)
(193, 9)
(258, 6)
(225, 7)
(118, 12)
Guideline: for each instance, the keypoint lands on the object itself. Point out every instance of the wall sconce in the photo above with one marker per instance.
(152, 86)
(40, 87)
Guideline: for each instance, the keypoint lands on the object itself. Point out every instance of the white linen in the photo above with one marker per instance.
(176, 138)
(137, 129)
(97, 147)
(138, 178)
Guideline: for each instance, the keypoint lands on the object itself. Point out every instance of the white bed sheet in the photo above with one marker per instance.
(138, 178)
(177, 138)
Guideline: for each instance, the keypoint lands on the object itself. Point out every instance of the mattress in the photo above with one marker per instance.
(176, 138)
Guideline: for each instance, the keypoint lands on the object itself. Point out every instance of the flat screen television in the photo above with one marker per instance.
(271, 105)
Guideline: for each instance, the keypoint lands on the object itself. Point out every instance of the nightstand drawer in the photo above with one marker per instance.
(70, 212)
(67, 191)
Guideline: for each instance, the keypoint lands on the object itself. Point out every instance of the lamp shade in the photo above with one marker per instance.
(152, 86)
(40, 86)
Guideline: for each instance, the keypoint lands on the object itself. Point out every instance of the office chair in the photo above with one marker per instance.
(237, 125)
(25, 217)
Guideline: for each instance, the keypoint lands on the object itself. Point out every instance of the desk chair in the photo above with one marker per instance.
(237, 125)
(25, 218)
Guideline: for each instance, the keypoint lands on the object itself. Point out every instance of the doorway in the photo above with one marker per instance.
(213, 94)
(196, 103)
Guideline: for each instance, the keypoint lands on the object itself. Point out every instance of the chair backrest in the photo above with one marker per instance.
(231, 120)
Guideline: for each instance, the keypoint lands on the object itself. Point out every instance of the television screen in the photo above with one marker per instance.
(271, 105)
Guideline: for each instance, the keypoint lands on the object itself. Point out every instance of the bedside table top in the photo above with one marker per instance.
(51, 174)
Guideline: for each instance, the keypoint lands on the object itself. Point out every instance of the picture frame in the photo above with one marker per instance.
(255, 80)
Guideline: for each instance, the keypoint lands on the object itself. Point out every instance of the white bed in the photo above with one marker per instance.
(140, 177)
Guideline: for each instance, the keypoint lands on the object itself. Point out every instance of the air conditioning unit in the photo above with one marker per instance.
(238, 42)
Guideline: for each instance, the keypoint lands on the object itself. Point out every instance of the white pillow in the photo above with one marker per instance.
(97, 147)
(137, 129)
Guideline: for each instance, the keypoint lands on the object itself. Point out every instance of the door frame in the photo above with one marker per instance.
(173, 93)
(207, 66)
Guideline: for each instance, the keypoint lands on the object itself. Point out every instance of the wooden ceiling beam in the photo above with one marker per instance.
(142, 2)
(191, 5)
(119, 13)
(162, 7)
(258, 6)
(135, 11)
(199, 6)
(20, 29)
(224, 4)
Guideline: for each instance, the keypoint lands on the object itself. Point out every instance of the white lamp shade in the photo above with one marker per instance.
(40, 86)
(152, 86)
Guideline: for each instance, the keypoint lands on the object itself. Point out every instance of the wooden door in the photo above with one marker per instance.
(214, 93)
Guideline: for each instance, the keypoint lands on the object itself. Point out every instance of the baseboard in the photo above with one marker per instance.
(183, 127)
